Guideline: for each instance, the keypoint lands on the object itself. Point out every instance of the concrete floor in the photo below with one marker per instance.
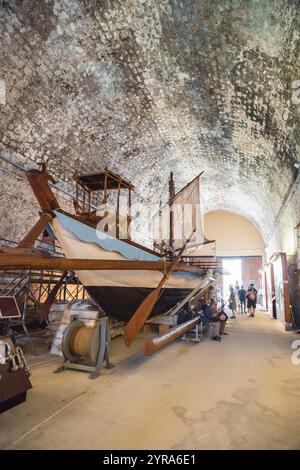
(242, 393)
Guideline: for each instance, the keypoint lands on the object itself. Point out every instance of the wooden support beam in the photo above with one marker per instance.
(194, 293)
(36, 230)
(39, 183)
(25, 261)
(155, 344)
(45, 308)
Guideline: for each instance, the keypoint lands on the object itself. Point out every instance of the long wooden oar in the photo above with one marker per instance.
(138, 319)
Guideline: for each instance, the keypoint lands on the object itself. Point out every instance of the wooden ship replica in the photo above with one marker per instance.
(129, 281)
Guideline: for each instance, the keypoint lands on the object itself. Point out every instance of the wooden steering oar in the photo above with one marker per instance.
(138, 319)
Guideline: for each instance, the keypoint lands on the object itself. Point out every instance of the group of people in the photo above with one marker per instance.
(215, 317)
(209, 315)
(240, 298)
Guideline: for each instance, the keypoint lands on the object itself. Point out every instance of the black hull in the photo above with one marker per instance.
(121, 302)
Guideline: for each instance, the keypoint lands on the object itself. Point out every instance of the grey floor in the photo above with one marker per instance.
(242, 393)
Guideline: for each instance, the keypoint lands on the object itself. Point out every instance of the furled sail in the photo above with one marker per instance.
(172, 231)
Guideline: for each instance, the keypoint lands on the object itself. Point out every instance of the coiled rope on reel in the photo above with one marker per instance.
(82, 342)
(85, 347)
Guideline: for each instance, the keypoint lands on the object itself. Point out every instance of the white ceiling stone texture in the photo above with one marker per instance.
(149, 86)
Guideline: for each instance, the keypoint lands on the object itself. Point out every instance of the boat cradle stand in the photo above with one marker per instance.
(86, 348)
(192, 335)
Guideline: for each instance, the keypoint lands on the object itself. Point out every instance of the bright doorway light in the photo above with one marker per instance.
(234, 268)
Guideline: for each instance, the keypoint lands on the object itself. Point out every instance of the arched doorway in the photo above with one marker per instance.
(239, 245)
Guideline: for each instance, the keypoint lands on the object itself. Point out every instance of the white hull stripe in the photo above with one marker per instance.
(80, 241)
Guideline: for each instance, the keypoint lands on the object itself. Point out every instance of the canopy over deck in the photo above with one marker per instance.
(101, 181)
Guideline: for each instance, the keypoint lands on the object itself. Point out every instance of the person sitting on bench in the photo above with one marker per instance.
(207, 318)
(185, 314)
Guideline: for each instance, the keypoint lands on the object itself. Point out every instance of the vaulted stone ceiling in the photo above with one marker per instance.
(149, 86)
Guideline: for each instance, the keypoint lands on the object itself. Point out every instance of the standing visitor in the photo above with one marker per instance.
(232, 302)
(236, 291)
(251, 300)
(242, 298)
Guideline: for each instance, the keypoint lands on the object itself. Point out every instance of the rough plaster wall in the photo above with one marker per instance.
(147, 86)
(234, 235)
(284, 237)
(16, 204)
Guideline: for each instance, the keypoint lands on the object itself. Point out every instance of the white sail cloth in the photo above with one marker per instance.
(187, 218)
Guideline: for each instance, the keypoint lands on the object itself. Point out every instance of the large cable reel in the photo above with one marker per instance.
(82, 343)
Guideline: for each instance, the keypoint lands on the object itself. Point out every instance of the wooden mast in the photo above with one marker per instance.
(171, 201)
(129, 215)
(105, 185)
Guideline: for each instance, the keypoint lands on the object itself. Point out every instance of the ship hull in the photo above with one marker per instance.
(119, 293)
(122, 302)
